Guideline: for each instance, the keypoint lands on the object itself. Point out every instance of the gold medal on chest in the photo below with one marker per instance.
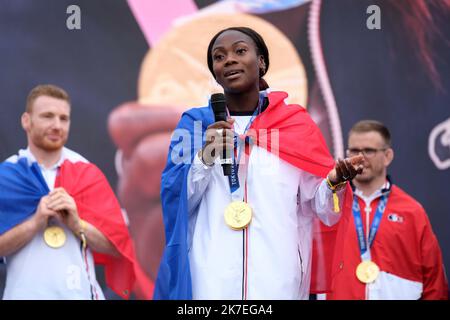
(367, 271)
(54, 236)
(238, 215)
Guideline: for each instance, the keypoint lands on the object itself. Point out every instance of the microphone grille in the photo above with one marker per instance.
(217, 97)
(218, 102)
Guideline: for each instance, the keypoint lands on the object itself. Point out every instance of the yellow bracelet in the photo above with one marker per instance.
(83, 225)
(335, 196)
(334, 187)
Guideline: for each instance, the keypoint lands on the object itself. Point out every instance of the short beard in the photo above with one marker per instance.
(45, 145)
(370, 178)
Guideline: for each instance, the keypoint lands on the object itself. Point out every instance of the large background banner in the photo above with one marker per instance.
(131, 67)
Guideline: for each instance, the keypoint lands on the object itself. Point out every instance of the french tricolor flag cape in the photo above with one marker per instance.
(22, 186)
(301, 144)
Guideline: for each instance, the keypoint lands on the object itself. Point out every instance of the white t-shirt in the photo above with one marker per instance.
(37, 271)
(272, 259)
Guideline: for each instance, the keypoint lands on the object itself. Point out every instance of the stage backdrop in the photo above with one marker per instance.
(131, 67)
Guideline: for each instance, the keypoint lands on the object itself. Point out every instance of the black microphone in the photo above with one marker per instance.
(219, 107)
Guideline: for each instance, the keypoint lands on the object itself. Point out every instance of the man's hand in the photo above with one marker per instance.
(346, 169)
(14, 239)
(43, 213)
(60, 201)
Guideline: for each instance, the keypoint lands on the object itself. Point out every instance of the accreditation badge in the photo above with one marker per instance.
(238, 215)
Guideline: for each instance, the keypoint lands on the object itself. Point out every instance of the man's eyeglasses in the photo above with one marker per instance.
(367, 152)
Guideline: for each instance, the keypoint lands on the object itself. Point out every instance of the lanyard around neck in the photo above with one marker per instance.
(363, 244)
(239, 143)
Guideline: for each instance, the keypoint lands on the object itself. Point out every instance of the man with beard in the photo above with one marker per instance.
(386, 246)
(58, 214)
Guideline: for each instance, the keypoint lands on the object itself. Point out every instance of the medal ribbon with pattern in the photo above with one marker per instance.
(363, 244)
(238, 214)
(239, 142)
(367, 271)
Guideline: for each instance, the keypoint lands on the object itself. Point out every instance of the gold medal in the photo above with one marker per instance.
(54, 236)
(367, 271)
(238, 215)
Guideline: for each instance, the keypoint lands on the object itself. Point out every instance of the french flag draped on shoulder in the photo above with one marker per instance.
(300, 144)
(22, 186)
